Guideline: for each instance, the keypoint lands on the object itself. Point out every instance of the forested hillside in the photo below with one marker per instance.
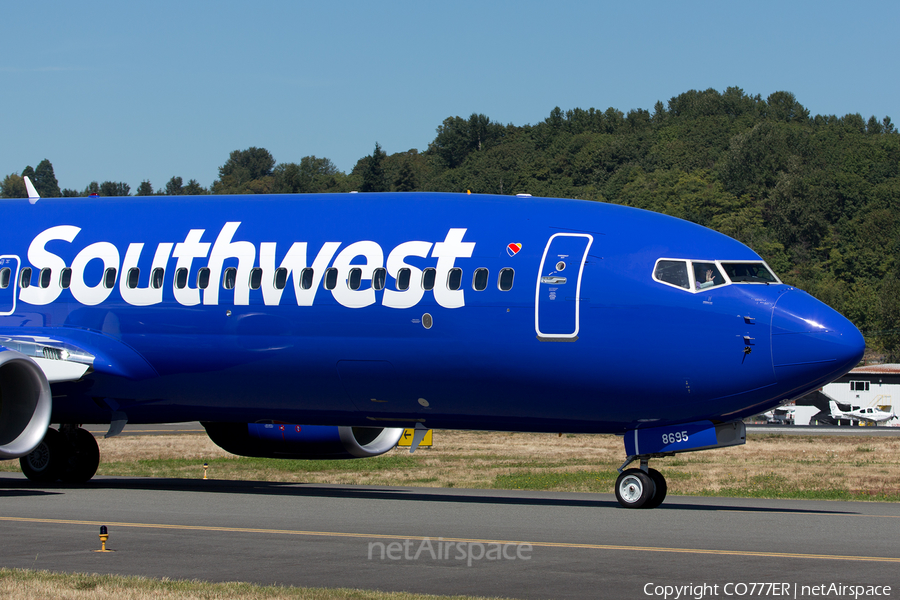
(816, 196)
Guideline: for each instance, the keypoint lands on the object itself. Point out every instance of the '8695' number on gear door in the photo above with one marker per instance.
(673, 438)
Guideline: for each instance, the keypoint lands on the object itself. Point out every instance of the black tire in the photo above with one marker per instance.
(46, 462)
(634, 488)
(83, 458)
(661, 488)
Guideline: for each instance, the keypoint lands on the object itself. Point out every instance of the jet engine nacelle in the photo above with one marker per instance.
(25, 403)
(311, 442)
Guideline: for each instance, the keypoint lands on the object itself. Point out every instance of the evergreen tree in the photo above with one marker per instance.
(406, 178)
(373, 173)
(193, 188)
(145, 189)
(174, 187)
(113, 188)
(45, 181)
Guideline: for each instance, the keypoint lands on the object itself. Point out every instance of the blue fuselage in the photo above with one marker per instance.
(586, 339)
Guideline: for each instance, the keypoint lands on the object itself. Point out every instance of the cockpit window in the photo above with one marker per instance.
(699, 275)
(749, 273)
(707, 275)
(673, 272)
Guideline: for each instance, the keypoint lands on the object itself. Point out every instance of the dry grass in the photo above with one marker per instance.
(867, 466)
(43, 585)
(768, 465)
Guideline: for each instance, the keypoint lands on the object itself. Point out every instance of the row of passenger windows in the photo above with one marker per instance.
(480, 278)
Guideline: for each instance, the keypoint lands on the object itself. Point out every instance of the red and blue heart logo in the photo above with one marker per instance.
(513, 249)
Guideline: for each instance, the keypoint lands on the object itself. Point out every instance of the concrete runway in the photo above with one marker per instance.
(581, 545)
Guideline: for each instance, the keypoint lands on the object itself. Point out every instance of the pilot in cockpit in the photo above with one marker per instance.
(707, 275)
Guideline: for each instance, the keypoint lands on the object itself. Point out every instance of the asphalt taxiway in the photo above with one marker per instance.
(515, 544)
(152, 429)
(826, 430)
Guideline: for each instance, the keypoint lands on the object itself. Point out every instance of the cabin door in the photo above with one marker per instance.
(9, 277)
(556, 304)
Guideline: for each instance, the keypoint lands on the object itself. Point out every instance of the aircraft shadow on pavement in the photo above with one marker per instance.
(11, 493)
(17, 486)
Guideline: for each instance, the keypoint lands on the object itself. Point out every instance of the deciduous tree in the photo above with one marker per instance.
(13, 186)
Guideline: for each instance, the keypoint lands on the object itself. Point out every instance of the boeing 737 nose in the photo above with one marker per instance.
(812, 344)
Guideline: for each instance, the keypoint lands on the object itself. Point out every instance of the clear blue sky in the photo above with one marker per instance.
(127, 91)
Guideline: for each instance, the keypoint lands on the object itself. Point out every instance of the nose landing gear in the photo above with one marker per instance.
(640, 488)
(646, 487)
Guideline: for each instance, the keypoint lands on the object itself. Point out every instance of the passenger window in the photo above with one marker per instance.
(203, 278)
(45, 277)
(355, 279)
(454, 279)
(306, 278)
(181, 276)
(505, 281)
(65, 278)
(428, 277)
(331, 275)
(379, 276)
(25, 278)
(480, 280)
(156, 277)
(4, 277)
(134, 275)
(280, 278)
(229, 278)
(403, 276)
(707, 275)
(109, 278)
(749, 273)
(255, 278)
(673, 272)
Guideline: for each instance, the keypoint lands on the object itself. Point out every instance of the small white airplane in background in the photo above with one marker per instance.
(876, 415)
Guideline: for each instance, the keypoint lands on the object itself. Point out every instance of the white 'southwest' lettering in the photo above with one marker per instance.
(149, 295)
(84, 293)
(294, 262)
(374, 258)
(447, 252)
(222, 250)
(186, 252)
(41, 258)
(409, 297)
(366, 255)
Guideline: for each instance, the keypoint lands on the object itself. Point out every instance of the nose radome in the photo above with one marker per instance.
(811, 342)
